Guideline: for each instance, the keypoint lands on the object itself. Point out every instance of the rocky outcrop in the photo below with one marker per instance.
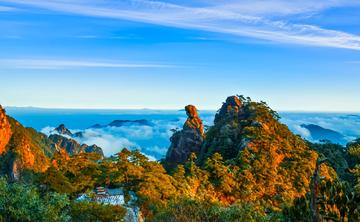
(193, 121)
(61, 129)
(231, 108)
(226, 135)
(72, 147)
(65, 141)
(188, 140)
(5, 131)
(92, 149)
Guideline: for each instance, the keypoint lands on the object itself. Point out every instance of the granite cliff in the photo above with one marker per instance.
(65, 140)
(72, 147)
(188, 140)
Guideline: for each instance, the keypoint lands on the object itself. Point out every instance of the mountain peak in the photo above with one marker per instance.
(231, 107)
(61, 129)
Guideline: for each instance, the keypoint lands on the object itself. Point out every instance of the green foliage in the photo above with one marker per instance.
(201, 211)
(90, 211)
(27, 149)
(251, 168)
(76, 175)
(336, 155)
(19, 202)
(262, 159)
(354, 152)
(337, 201)
(220, 175)
(56, 181)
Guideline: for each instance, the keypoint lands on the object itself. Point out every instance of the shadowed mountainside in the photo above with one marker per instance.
(26, 149)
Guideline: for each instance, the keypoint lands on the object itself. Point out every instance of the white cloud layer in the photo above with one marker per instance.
(153, 140)
(67, 64)
(6, 8)
(346, 124)
(268, 20)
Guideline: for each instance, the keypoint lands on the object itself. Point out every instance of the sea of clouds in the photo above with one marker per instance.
(153, 140)
(346, 124)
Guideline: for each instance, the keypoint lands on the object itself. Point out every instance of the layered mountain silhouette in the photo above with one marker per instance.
(24, 148)
(64, 138)
(120, 123)
(319, 133)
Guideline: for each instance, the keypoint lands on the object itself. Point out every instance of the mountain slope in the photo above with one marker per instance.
(249, 155)
(65, 139)
(24, 149)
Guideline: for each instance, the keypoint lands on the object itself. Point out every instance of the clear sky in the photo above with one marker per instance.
(295, 55)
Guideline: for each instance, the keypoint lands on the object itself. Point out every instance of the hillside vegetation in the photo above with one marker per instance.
(246, 167)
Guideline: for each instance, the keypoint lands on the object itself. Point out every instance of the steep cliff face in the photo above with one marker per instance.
(230, 109)
(26, 150)
(92, 149)
(227, 135)
(5, 131)
(71, 146)
(65, 140)
(61, 129)
(188, 140)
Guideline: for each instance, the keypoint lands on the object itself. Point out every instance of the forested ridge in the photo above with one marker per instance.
(246, 167)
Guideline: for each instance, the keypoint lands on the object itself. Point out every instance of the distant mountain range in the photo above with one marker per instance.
(319, 133)
(120, 123)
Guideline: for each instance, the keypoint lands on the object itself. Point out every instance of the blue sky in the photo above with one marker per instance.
(295, 55)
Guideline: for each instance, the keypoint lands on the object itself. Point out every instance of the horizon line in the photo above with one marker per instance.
(167, 109)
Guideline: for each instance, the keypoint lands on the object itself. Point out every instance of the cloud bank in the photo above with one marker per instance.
(69, 64)
(267, 20)
(346, 124)
(151, 140)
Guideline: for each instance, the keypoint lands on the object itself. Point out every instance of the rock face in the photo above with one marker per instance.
(61, 129)
(188, 140)
(5, 131)
(193, 121)
(225, 137)
(92, 149)
(71, 146)
(229, 109)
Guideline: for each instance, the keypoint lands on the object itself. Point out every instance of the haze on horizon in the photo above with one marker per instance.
(134, 54)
